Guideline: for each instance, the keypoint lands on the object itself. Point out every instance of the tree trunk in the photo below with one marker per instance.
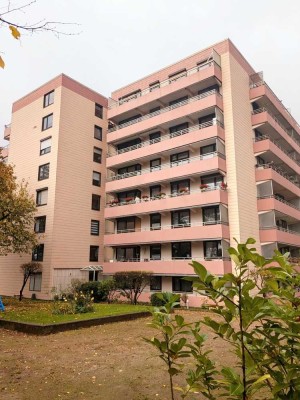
(22, 288)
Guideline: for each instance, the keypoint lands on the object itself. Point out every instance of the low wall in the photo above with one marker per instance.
(40, 329)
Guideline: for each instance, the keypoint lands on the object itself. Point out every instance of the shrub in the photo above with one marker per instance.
(161, 299)
(98, 289)
(83, 302)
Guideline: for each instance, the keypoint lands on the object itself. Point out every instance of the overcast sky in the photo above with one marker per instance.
(123, 40)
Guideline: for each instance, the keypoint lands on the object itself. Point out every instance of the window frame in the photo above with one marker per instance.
(129, 224)
(48, 99)
(96, 182)
(98, 110)
(217, 213)
(155, 137)
(155, 167)
(152, 246)
(177, 213)
(153, 223)
(37, 223)
(175, 159)
(43, 151)
(94, 197)
(39, 252)
(99, 130)
(38, 191)
(97, 157)
(94, 257)
(93, 221)
(153, 188)
(45, 124)
(157, 286)
(32, 282)
(219, 250)
(41, 173)
(184, 183)
(176, 257)
(179, 280)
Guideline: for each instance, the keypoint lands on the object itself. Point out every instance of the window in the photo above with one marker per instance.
(181, 218)
(210, 88)
(213, 249)
(154, 137)
(175, 103)
(93, 276)
(41, 197)
(155, 110)
(49, 99)
(180, 285)
(282, 224)
(45, 146)
(95, 227)
(40, 224)
(136, 168)
(122, 196)
(155, 252)
(94, 253)
(154, 85)
(125, 225)
(130, 119)
(155, 283)
(212, 181)
(96, 178)
(35, 282)
(38, 253)
(178, 130)
(177, 187)
(155, 191)
(47, 122)
(155, 221)
(155, 165)
(208, 151)
(97, 132)
(206, 119)
(98, 110)
(44, 172)
(211, 215)
(181, 250)
(177, 75)
(128, 253)
(97, 155)
(96, 202)
(126, 145)
(180, 158)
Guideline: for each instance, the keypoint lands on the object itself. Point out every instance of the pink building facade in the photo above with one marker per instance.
(193, 156)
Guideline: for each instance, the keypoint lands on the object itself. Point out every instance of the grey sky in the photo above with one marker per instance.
(123, 40)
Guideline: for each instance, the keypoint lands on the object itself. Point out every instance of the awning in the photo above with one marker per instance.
(92, 268)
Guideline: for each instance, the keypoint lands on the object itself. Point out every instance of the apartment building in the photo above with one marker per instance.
(199, 153)
(57, 142)
(195, 155)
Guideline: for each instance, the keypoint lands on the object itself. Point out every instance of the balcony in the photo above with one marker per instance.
(272, 172)
(189, 136)
(179, 110)
(208, 71)
(278, 204)
(167, 266)
(192, 199)
(4, 152)
(7, 131)
(264, 144)
(264, 116)
(195, 165)
(167, 233)
(279, 235)
(261, 89)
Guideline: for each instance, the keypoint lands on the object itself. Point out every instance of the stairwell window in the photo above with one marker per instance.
(42, 197)
(40, 224)
(98, 110)
(45, 146)
(48, 98)
(96, 202)
(97, 132)
(44, 171)
(35, 283)
(95, 227)
(97, 155)
(38, 253)
(94, 253)
(47, 122)
(96, 178)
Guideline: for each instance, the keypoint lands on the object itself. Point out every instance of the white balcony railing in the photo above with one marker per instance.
(280, 228)
(165, 109)
(165, 166)
(124, 259)
(278, 198)
(169, 136)
(163, 227)
(162, 84)
(280, 171)
(290, 133)
(267, 137)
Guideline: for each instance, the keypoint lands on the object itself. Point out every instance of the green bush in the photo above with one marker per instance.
(161, 299)
(98, 289)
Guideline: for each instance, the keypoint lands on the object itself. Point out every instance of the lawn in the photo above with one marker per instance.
(41, 311)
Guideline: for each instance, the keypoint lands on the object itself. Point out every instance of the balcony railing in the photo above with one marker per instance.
(278, 198)
(290, 133)
(169, 136)
(280, 228)
(267, 137)
(162, 227)
(280, 171)
(164, 110)
(166, 166)
(260, 83)
(123, 259)
(162, 84)
(145, 199)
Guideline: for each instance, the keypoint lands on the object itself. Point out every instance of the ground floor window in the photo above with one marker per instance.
(35, 283)
(93, 276)
(155, 283)
(180, 285)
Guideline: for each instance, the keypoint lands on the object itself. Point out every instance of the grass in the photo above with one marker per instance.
(40, 312)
